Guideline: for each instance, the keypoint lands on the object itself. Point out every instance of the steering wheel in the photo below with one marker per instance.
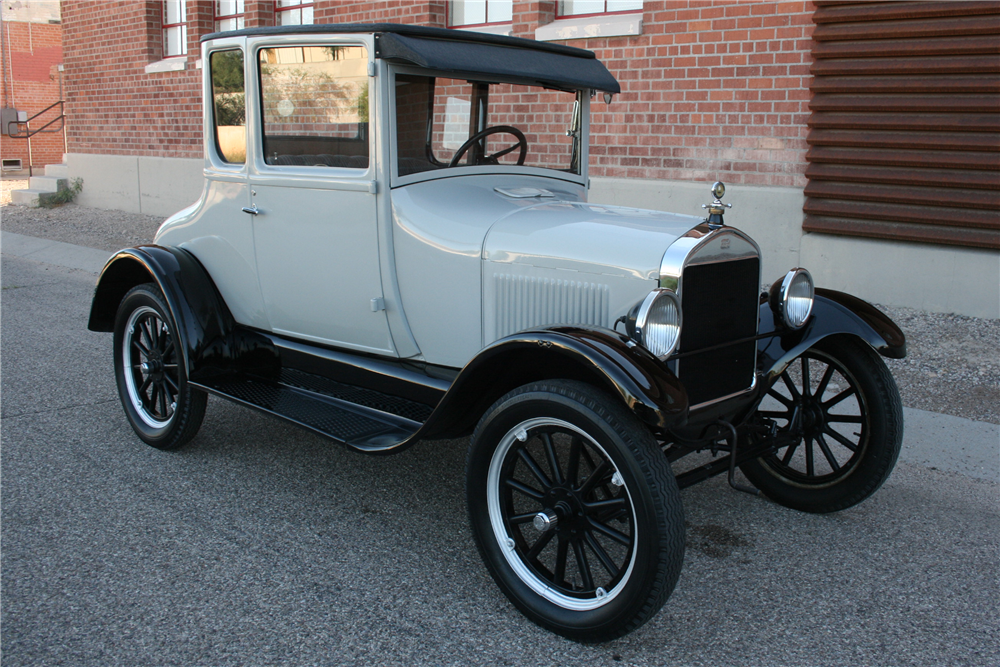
(522, 143)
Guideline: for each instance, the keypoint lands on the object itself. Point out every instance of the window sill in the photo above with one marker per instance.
(174, 64)
(608, 25)
(495, 29)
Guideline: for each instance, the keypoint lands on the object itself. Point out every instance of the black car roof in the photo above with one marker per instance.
(466, 53)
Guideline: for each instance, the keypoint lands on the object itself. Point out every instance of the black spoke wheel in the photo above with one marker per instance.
(839, 428)
(152, 384)
(575, 510)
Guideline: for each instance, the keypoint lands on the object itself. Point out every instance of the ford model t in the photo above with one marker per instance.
(394, 244)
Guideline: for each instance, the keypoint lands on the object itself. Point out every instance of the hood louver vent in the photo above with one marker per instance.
(523, 302)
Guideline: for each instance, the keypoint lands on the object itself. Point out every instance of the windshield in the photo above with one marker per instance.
(448, 123)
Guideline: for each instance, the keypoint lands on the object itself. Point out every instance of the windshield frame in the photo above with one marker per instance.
(389, 94)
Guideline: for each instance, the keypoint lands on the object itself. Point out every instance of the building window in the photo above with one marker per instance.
(568, 8)
(294, 12)
(228, 15)
(174, 28)
(467, 13)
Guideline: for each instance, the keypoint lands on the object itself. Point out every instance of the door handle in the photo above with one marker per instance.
(252, 210)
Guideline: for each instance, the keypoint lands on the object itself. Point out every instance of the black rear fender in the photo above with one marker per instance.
(598, 356)
(203, 320)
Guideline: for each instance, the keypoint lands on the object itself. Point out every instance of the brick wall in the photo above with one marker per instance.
(30, 84)
(711, 89)
(114, 106)
(419, 12)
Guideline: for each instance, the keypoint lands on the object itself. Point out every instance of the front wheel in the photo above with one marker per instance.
(840, 422)
(162, 408)
(575, 510)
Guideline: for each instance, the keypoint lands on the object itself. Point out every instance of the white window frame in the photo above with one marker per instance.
(179, 25)
(584, 26)
(298, 9)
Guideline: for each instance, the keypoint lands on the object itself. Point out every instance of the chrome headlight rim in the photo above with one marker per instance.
(640, 323)
(793, 316)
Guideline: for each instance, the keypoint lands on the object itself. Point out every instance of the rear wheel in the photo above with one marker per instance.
(162, 408)
(575, 510)
(840, 419)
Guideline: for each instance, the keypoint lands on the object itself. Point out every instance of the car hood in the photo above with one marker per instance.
(588, 238)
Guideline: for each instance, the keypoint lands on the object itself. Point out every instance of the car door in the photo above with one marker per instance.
(217, 231)
(313, 193)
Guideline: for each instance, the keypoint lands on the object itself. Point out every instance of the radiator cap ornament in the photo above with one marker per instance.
(717, 208)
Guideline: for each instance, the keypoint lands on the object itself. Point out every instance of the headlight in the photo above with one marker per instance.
(792, 298)
(655, 322)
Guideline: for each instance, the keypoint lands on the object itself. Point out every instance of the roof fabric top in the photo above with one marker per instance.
(554, 70)
(468, 53)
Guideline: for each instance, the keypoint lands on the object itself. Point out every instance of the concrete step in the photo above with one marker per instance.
(57, 170)
(48, 183)
(30, 196)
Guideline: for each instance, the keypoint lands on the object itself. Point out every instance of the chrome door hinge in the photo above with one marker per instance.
(373, 188)
(372, 70)
(378, 304)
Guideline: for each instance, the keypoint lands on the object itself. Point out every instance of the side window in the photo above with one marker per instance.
(315, 106)
(229, 104)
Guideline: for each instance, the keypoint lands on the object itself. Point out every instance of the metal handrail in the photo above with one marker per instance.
(31, 133)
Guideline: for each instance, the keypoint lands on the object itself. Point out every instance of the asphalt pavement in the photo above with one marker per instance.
(261, 544)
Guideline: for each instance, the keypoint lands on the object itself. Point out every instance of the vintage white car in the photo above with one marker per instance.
(394, 244)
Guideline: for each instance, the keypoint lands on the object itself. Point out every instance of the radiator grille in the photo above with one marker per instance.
(719, 304)
(523, 302)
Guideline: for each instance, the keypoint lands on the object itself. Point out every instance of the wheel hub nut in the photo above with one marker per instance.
(544, 521)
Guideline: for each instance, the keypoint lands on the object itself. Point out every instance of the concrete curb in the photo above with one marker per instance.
(931, 439)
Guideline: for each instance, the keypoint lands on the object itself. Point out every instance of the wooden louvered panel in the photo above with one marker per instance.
(902, 231)
(841, 12)
(935, 84)
(914, 213)
(904, 139)
(972, 64)
(937, 27)
(953, 103)
(852, 173)
(905, 158)
(945, 141)
(909, 195)
(984, 122)
(882, 48)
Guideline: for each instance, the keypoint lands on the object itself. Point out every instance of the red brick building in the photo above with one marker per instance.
(31, 41)
(859, 138)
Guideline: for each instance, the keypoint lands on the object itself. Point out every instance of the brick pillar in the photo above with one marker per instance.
(258, 13)
(200, 22)
(529, 14)
(150, 21)
(436, 15)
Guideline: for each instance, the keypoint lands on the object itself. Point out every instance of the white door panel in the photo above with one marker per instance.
(317, 258)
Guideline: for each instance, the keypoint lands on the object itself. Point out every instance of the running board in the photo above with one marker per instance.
(358, 426)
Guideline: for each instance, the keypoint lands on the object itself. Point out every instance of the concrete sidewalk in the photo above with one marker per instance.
(53, 252)
(933, 440)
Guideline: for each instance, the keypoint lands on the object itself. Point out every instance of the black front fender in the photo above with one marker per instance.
(204, 323)
(596, 355)
(833, 313)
